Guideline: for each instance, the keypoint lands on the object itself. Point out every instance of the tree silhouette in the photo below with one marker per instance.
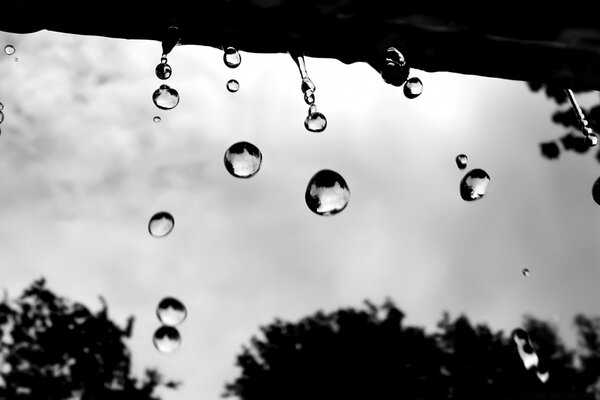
(370, 353)
(55, 349)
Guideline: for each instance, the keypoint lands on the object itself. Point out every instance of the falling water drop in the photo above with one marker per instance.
(233, 85)
(474, 184)
(163, 71)
(461, 161)
(243, 160)
(165, 97)
(156, 119)
(315, 122)
(413, 88)
(232, 57)
(327, 193)
(525, 272)
(591, 139)
(395, 70)
(161, 224)
(9, 49)
(171, 311)
(171, 38)
(525, 348)
(166, 339)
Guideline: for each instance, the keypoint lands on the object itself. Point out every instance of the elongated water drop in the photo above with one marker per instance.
(161, 224)
(163, 71)
(171, 38)
(165, 97)
(156, 119)
(300, 63)
(525, 272)
(591, 139)
(232, 57)
(170, 311)
(474, 184)
(315, 122)
(327, 193)
(233, 85)
(9, 49)
(525, 348)
(243, 160)
(413, 88)
(166, 339)
(461, 161)
(307, 84)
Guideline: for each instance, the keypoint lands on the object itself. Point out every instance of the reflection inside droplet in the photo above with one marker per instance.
(474, 184)
(233, 85)
(9, 49)
(163, 71)
(166, 339)
(232, 57)
(413, 88)
(315, 122)
(161, 224)
(327, 193)
(243, 160)
(461, 161)
(170, 311)
(165, 97)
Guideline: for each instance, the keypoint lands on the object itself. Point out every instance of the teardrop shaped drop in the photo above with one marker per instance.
(163, 71)
(170, 311)
(161, 224)
(233, 85)
(327, 193)
(166, 339)
(461, 161)
(165, 97)
(243, 160)
(473, 185)
(413, 88)
(232, 57)
(170, 39)
(315, 122)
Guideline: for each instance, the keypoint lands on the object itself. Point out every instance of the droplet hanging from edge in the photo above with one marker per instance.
(161, 224)
(591, 139)
(525, 272)
(461, 161)
(413, 88)
(9, 49)
(232, 57)
(242, 160)
(156, 119)
(473, 185)
(170, 311)
(327, 193)
(166, 339)
(165, 97)
(233, 85)
(171, 38)
(315, 122)
(163, 71)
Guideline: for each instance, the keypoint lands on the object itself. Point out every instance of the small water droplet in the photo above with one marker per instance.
(525, 272)
(16, 59)
(315, 122)
(156, 119)
(165, 97)
(243, 160)
(171, 311)
(163, 59)
(9, 49)
(474, 184)
(413, 88)
(163, 71)
(161, 224)
(312, 109)
(1, 117)
(591, 139)
(233, 85)
(461, 161)
(166, 339)
(327, 193)
(232, 57)
(394, 55)
(309, 97)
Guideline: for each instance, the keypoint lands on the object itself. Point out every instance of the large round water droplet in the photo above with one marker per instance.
(171, 311)
(232, 57)
(315, 122)
(163, 71)
(243, 160)
(233, 85)
(327, 193)
(9, 49)
(161, 224)
(395, 74)
(461, 161)
(525, 272)
(394, 55)
(166, 339)
(474, 184)
(156, 119)
(165, 97)
(591, 139)
(413, 88)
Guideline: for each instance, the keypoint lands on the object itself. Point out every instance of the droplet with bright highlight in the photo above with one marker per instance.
(591, 139)
(161, 224)
(395, 70)
(233, 85)
(163, 71)
(9, 49)
(525, 272)
(166, 339)
(171, 38)
(394, 55)
(474, 184)
(525, 348)
(243, 160)
(165, 97)
(307, 85)
(16, 59)
(312, 109)
(171, 311)
(543, 376)
(232, 57)
(315, 122)
(413, 88)
(156, 119)
(327, 193)
(309, 97)
(461, 161)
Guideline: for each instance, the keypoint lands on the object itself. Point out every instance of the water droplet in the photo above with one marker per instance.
(394, 55)
(312, 109)
(307, 85)
(413, 88)
(163, 59)
(163, 71)
(165, 97)
(243, 160)
(171, 38)
(543, 376)
(1, 117)
(166, 339)
(525, 348)
(233, 85)
(9, 49)
(1, 106)
(315, 122)
(161, 224)
(525, 272)
(232, 57)
(591, 139)
(327, 193)
(156, 119)
(171, 311)
(474, 184)
(461, 161)
(309, 97)
(394, 73)
(16, 59)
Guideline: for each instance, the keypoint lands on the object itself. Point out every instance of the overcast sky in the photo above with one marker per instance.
(83, 167)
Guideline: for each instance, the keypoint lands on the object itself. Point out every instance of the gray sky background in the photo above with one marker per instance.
(83, 167)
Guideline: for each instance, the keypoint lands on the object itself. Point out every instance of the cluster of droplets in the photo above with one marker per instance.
(232, 59)
(591, 138)
(474, 183)
(395, 71)
(9, 50)
(528, 355)
(315, 121)
(165, 97)
(170, 312)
